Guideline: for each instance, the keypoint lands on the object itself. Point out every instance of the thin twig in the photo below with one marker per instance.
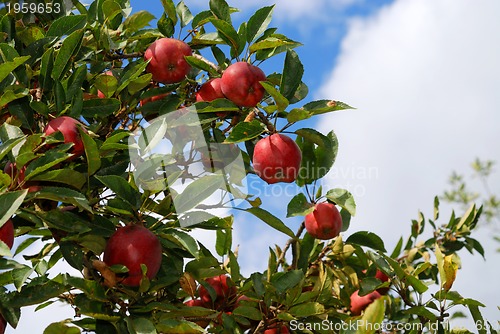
(289, 243)
(208, 62)
(265, 120)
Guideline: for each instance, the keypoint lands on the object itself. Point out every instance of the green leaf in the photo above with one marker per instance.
(37, 293)
(46, 67)
(66, 176)
(64, 195)
(368, 239)
(478, 319)
(292, 74)
(259, 22)
(131, 72)
(307, 309)
(200, 64)
(137, 21)
(140, 326)
(271, 220)
(8, 67)
(318, 154)
(288, 280)
(245, 131)
(342, 198)
(248, 312)
(372, 317)
(184, 13)
(100, 108)
(227, 32)
(223, 241)
(91, 152)
(178, 327)
(421, 311)
(106, 83)
(45, 162)
(9, 203)
(196, 192)
(183, 239)
(166, 26)
(70, 47)
(65, 221)
(169, 7)
(280, 100)
(273, 42)
(121, 188)
(299, 206)
(7, 145)
(220, 9)
(61, 328)
(9, 96)
(66, 25)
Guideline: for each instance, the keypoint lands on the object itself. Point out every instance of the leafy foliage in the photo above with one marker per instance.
(57, 63)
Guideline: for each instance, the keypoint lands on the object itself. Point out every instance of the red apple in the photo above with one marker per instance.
(168, 64)
(240, 83)
(224, 290)
(69, 128)
(99, 93)
(277, 158)
(360, 303)
(132, 246)
(275, 330)
(384, 278)
(210, 90)
(153, 98)
(7, 233)
(3, 324)
(324, 222)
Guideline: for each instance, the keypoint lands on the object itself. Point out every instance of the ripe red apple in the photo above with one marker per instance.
(168, 64)
(210, 90)
(224, 290)
(240, 83)
(384, 278)
(3, 324)
(7, 233)
(277, 158)
(68, 126)
(275, 330)
(132, 246)
(324, 222)
(360, 303)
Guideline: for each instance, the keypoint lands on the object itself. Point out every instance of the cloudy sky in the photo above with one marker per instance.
(424, 76)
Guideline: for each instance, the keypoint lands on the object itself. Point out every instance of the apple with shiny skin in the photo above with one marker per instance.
(68, 126)
(7, 233)
(131, 246)
(324, 222)
(360, 303)
(240, 83)
(277, 158)
(167, 63)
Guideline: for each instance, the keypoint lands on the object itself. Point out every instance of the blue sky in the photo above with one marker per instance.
(424, 76)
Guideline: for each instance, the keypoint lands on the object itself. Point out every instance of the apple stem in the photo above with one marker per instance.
(206, 61)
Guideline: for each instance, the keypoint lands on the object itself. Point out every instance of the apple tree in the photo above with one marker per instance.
(86, 90)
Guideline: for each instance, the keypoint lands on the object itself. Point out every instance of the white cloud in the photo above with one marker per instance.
(424, 76)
